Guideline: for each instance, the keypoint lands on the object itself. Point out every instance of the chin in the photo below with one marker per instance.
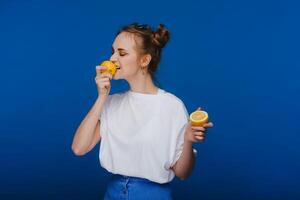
(116, 78)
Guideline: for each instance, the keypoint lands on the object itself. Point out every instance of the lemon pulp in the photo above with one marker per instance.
(199, 118)
(111, 67)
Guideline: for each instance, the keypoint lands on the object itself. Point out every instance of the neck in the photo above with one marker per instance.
(142, 84)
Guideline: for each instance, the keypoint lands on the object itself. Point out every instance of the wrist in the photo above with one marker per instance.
(188, 143)
(101, 98)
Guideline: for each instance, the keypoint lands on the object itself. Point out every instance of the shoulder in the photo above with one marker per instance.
(174, 107)
(172, 99)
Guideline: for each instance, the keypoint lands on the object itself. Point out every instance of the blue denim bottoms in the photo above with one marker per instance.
(133, 188)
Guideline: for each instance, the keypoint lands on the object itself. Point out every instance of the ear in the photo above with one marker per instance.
(145, 60)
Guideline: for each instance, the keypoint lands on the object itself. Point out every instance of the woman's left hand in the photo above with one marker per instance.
(196, 133)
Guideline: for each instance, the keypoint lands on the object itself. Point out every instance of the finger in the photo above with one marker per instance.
(208, 125)
(106, 74)
(105, 79)
(199, 108)
(106, 84)
(102, 70)
(198, 128)
(104, 87)
(199, 133)
(110, 76)
(201, 138)
(101, 80)
(97, 79)
(100, 67)
(100, 83)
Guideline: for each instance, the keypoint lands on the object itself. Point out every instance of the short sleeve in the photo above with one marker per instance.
(181, 122)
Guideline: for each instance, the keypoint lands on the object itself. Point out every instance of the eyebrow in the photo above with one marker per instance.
(119, 49)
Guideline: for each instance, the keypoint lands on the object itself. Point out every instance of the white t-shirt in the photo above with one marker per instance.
(142, 135)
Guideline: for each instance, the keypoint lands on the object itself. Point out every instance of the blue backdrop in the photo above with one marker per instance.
(238, 60)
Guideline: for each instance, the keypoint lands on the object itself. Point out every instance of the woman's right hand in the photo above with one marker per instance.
(103, 82)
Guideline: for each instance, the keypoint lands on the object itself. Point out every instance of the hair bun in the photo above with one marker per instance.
(161, 36)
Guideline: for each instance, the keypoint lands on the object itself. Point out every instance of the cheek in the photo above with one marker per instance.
(130, 64)
(128, 60)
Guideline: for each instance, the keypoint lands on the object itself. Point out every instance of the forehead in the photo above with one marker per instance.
(125, 40)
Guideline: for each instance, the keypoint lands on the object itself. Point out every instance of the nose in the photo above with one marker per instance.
(113, 59)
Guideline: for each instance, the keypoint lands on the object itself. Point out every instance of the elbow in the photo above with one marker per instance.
(77, 151)
(183, 178)
(182, 175)
(179, 174)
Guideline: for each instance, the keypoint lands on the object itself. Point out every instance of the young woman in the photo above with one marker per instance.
(146, 137)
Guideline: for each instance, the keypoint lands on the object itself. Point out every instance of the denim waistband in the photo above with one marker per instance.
(129, 187)
(133, 178)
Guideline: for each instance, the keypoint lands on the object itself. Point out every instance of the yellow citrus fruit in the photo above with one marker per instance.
(199, 118)
(111, 67)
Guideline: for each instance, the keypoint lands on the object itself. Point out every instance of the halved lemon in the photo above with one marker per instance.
(111, 67)
(199, 118)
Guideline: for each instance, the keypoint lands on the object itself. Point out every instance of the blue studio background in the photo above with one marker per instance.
(238, 60)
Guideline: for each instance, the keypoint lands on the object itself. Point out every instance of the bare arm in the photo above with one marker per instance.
(185, 164)
(88, 133)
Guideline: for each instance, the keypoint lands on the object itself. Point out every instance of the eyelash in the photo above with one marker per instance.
(120, 54)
